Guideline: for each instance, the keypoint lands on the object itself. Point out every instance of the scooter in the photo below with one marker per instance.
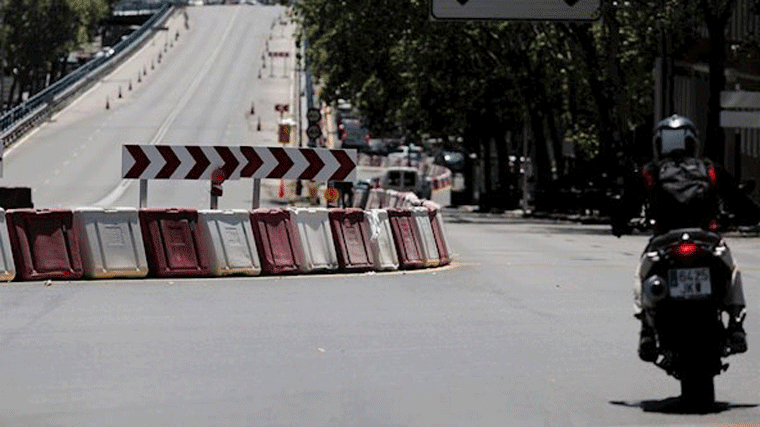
(685, 276)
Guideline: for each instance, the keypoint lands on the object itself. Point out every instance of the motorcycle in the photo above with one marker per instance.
(685, 275)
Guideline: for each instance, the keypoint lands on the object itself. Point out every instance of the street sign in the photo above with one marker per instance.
(331, 194)
(529, 10)
(313, 132)
(313, 115)
(284, 134)
(281, 108)
(196, 162)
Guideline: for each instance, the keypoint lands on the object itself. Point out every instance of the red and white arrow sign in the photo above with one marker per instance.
(198, 162)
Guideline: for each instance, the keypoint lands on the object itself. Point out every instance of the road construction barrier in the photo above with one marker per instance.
(233, 247)
(110, 243)
(174, 243)
(407, 240)
(392, 199)
(376, 199)
(384, 255)
(7, 266)
(277, 241)
(45, 244)
(316, 239)
(436, 221)
(352, 239)
(424, 228)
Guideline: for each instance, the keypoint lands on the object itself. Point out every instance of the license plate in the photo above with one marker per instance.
(690, 282)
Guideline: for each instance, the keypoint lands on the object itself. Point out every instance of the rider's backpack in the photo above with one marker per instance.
(684, 191)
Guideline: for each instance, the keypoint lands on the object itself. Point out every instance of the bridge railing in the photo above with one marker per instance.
(42, 105)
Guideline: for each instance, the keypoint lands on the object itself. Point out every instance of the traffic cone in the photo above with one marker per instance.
(253, 111)
(258, 127)
(145, 71)
(281, 191)
(259, 73)
(130, 85)
(108, 105)
(139, 79)
(119, 92)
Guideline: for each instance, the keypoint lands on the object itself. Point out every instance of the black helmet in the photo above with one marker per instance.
(676, 136)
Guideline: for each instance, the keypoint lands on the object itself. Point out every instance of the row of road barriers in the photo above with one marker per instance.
(97, 243)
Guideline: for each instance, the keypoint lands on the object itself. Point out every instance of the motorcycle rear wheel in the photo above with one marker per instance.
(698, 392)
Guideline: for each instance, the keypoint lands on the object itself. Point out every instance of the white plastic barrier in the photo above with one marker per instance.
(7, 267)
(110, 243)
(233, 248)
(392, 198)
(381, 240)
(316, 238)
(421, 220)
(376, 199)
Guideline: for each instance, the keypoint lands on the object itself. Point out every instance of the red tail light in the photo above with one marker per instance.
(712, 176)
(685, 250)
(714, 225)
(648, 178)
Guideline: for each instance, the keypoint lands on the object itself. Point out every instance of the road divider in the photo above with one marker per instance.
(232, 247)
(277, 241)
(110, 243)
(406, 238)
(351, 233)
(7, 267)
(316, 240)
(45, 244)
(98, 243)
(385, 256)
(174, 243)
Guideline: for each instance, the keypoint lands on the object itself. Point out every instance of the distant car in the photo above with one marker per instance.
(195, 2)
(406, 179)
(354, 135)
(406, 154)
(381, 146)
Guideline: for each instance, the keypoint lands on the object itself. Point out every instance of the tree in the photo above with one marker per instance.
(40, 34)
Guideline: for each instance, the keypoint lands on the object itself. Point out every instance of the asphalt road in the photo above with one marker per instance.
(531, 326)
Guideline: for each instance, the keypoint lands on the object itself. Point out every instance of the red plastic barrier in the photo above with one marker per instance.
(277, 241)
(440, 238)
(407, 241)
(45, 244)
(351, 234)
(174, 243)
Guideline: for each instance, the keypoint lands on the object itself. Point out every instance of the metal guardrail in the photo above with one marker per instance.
(42, 105)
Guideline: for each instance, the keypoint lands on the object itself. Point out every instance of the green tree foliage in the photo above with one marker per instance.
(39, 34)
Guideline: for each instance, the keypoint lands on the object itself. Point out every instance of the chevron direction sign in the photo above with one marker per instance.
(198, 162)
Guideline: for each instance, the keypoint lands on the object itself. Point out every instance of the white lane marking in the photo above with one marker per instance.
(122, 187)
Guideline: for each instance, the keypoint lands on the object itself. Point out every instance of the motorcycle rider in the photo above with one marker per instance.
(676, 140)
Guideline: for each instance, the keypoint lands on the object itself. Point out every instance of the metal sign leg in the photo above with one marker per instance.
(256, 193)
(143, 193)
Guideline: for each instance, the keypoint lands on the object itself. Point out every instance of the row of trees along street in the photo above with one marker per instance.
(36, 37)
(501, 88)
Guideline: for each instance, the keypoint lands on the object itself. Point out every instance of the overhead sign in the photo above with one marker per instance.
(530, 10)
(198, 162)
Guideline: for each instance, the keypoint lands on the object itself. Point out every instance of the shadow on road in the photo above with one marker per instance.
(673, 405)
